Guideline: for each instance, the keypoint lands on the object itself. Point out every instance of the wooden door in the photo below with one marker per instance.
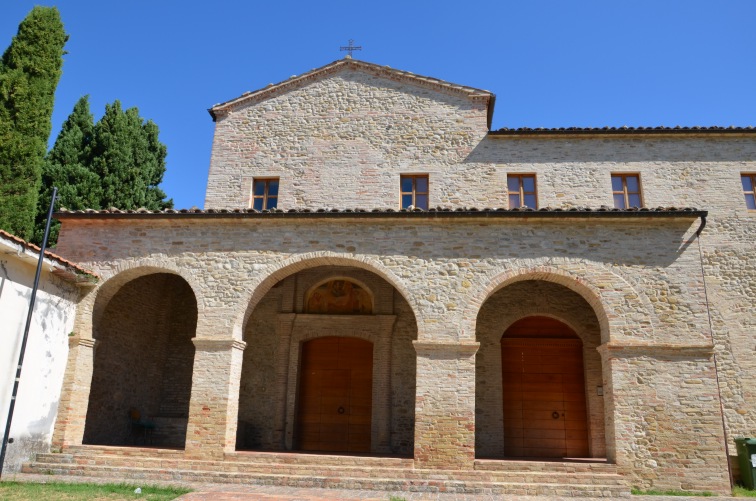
(544, 391)
(335, 395)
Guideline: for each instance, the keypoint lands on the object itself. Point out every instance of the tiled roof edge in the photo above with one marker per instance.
(437, 212)
(541, 131)
(70, 271)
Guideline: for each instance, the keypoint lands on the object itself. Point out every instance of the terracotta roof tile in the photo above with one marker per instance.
(528, 131)
(386, 212)
(70, 271)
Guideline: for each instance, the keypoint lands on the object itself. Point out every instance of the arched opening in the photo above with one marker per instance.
(360, 329)
(143, 362)
(543, 390)
(539, 377)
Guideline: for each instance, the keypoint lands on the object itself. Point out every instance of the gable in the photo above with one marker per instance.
(375, 71)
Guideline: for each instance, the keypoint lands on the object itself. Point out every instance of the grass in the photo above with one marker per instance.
(62, 491)
(742, 492)
(654, 492)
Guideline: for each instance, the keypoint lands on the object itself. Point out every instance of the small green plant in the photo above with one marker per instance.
(670, 492)
(396, 498)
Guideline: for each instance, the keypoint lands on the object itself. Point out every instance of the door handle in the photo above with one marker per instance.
(555, 415)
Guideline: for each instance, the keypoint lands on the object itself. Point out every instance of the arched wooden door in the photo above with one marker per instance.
(544, 390)
(335, 395)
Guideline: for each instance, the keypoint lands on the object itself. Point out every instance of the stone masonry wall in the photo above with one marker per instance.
(342, 142)
(641, 277)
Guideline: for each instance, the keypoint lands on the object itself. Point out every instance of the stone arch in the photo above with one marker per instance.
(143, 320)
(91, 308)
(503, 308)
(276, 323)
(603, 300)
(258, 289)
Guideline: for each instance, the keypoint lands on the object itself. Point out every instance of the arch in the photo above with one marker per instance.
(144, 359)
(91, 308)
(502, 309)
(301, 262)
(598, 298)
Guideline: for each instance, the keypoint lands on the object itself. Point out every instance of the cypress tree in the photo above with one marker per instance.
(67, 166)
(129, 159)
(29, 72)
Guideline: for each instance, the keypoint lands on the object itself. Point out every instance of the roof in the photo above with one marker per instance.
(434, 213)
(295, 81)
(61, 267)
(623, 131)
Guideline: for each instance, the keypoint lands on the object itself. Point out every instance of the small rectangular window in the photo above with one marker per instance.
(265, 193)
(626, 191)
(414, 191)
(749, 184)
(521, 189)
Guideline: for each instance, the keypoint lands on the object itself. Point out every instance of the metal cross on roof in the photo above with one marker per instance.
(351, 48)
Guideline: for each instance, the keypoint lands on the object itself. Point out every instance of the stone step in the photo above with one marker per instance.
(251, 457)
(105, 450)
(54, 458)
(319, 459)
(338, 481)
(362, 471)
(594, 466)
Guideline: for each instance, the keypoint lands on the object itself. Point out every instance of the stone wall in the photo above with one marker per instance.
(342, 142)
(632, 282)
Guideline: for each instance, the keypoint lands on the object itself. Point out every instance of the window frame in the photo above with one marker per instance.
(521, 192)
(414, 193)
(265, 197)
(752, 177)
(625, 193)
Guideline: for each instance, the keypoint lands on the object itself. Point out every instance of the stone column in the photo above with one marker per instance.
(214, 407)
(381, 419)
(284, 326)
(445, 405)
(74, 395)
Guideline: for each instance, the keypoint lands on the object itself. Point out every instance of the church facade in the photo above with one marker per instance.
(377, 273)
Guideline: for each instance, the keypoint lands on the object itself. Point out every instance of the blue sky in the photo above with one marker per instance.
(550, 63)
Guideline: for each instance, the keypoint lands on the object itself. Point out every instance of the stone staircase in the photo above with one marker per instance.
(392, 474)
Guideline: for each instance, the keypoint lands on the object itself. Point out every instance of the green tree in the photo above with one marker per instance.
(129, 159)
(67, 166)
(29, 72)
